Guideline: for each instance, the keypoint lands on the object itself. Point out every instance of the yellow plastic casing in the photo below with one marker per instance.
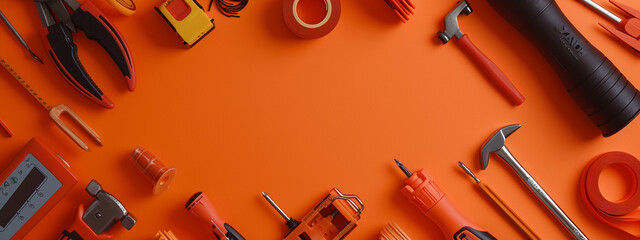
(187, 18)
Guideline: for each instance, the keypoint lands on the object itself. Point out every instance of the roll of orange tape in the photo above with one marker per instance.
(310, 31)
(623, 214)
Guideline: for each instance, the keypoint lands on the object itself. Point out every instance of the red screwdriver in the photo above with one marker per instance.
(424, 193)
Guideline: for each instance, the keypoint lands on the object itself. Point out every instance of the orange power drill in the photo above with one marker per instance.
(422, 191)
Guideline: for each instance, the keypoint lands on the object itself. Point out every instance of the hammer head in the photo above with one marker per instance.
(496, 142)
(451, 22)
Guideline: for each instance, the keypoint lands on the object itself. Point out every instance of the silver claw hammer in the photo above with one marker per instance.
(496, 144)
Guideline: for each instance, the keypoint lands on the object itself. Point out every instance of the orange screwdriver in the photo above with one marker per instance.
(515, 219)
(424, 193)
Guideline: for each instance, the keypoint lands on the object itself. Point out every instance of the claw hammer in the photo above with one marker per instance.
(496, 144)
(485, 64)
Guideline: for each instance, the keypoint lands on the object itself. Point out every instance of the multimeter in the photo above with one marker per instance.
(33, 183)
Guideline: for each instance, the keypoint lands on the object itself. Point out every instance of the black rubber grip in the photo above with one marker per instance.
(66, 52)
(66, 235)
(106, 35)
(594, 83)
(471, 233)
(232, 234)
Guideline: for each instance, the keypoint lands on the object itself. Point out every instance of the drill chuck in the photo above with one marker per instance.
(594, 83)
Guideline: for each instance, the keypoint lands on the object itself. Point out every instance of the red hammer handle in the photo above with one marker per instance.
(492, 71)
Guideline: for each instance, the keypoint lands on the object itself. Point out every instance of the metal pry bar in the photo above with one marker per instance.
(13, 29)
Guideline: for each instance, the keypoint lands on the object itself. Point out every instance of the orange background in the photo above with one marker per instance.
(253, 108)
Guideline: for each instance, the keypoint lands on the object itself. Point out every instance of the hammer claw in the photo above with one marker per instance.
(496, 142)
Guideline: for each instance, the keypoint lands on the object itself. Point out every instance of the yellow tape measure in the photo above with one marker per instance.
(25, 84)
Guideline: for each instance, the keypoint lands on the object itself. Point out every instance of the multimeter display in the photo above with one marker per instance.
(23, 193)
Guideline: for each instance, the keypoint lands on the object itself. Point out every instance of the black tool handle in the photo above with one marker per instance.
(64, 53)
(471, 233)
(593, 82)
(232, 234)
(97, 27)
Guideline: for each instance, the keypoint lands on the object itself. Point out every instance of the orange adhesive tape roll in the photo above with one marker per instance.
(623, 214)
(158, 173)
(310, 31)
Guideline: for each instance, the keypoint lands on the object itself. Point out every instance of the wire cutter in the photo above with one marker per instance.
(630, 26)
(58, 40)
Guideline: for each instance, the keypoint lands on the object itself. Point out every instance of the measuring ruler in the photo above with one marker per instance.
(56, 111)
(24, 84)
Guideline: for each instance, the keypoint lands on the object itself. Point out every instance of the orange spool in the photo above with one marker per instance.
(158, 173)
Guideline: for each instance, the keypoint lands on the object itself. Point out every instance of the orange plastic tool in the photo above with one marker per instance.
(333, 219)
(506, 210)
(423, 192)
(200, 206)
(630, 27)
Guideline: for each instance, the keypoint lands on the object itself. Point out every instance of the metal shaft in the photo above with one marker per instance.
(403, 168)
(284, 215)
(15, 32)
(602, 10)
(540, 193)
(468, 171)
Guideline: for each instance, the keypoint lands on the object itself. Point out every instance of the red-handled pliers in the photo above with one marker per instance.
(63, 51)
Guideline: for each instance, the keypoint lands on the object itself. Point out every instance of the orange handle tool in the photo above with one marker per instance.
(423, 192)
(492, 71)
(507, 211)
(515, 219)
(200, 206)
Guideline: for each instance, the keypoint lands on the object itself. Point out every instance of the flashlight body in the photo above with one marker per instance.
(594, 83)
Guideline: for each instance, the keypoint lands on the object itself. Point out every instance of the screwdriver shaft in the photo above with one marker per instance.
(602, 10)
(284, 215)
(468, 171)
(403, 168)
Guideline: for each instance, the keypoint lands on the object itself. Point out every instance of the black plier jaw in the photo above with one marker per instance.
(57, 37)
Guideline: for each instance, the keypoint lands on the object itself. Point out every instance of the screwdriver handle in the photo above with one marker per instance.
(492, 71)
(200, 206)
(423, 192)
(524, 228)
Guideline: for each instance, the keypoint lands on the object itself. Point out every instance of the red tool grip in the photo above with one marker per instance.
(492, 71)
(200, 206)
(97, 27)
(79, 230)
(63, 51)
